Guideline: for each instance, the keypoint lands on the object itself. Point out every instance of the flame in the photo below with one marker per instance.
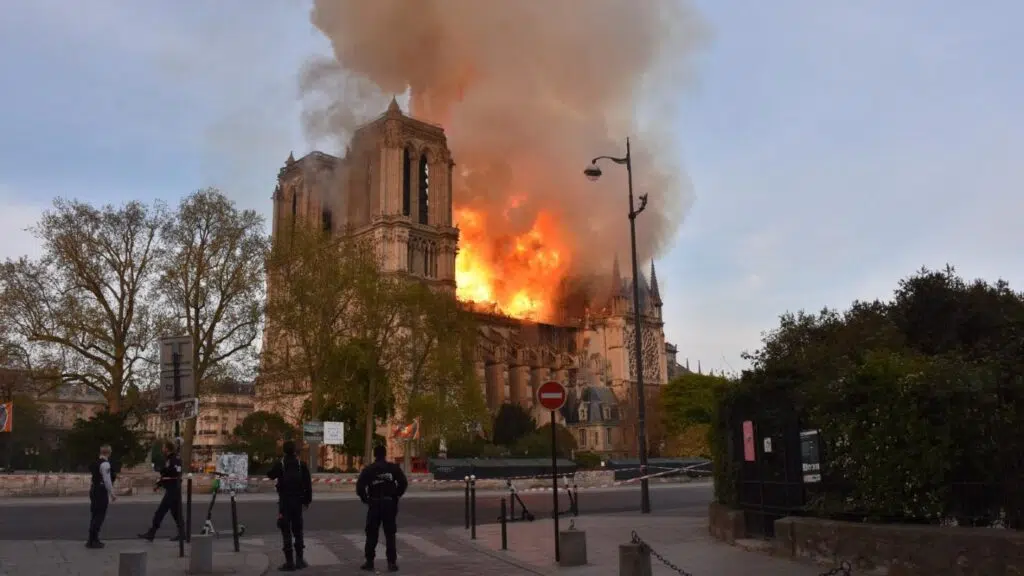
(518, 274)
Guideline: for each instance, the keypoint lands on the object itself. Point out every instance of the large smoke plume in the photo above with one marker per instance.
(528, 92)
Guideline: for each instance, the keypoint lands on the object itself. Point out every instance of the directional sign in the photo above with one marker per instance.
(177, 411)
(551, 395)
(176, 355)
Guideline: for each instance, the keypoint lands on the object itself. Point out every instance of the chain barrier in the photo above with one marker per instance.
(843, 569)
(647, 547)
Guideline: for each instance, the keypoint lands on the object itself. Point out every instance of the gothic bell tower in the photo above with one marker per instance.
(393, 188)
(410, 216)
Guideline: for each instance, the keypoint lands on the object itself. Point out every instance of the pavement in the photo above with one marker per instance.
(34, 518)
(421, 552)
(682, 541)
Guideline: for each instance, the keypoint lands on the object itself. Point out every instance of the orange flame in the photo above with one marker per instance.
(520, 275)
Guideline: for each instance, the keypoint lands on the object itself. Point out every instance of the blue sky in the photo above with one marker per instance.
(834, 147)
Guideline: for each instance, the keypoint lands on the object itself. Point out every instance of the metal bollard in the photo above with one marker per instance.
(188, 510)
(504, 527)
(575, 498)
(511, 501)
(181, 525)
(467, 502)
(234, 520)
(472, 507)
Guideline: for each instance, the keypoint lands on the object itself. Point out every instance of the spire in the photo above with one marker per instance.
(393, 108)
(291, 159)
(616, 276)
(655, 294)
(687, 364)
(699, 371)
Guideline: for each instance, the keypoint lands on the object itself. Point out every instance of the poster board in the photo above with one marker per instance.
(237, 465)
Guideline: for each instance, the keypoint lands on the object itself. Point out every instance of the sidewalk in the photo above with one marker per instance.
(67, 558)
(683, 541)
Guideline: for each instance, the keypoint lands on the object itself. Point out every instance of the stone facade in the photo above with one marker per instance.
(394, 186)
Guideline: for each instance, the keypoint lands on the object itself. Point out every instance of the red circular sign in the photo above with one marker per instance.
(551, 395)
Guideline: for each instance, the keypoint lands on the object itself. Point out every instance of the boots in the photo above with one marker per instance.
(300, 562)
(367, 566)
(148, 535)
(289, 562)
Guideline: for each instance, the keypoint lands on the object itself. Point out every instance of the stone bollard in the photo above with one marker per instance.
(201, 554)
(132, 563)
(634, 560)
(572, 544)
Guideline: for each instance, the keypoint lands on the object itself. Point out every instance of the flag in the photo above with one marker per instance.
(409, 431)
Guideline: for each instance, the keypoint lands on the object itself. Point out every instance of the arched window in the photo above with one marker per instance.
(424, 189)
(406, 182)
(410, 254)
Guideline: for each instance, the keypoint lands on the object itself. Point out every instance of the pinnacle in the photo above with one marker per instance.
(394, 108)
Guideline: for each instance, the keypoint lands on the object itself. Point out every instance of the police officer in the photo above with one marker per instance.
(170, 481)
(101, 494)
(294, 493)
(380, 485)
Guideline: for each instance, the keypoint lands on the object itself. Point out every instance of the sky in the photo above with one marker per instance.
(834, 147)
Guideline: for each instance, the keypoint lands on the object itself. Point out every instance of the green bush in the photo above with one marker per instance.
(587, 460)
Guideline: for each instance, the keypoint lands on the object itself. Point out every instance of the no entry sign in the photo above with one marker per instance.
(551, 395)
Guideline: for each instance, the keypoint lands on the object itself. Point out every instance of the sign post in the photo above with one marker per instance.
(552, 395)
(177, 381)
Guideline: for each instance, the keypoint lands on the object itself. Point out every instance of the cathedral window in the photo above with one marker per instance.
(410, 255)
(295, 203)
(583, 438)
(424, 189)
(406, 182)
(328, 220)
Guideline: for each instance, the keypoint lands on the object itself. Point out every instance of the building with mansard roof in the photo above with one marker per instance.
(394, 188)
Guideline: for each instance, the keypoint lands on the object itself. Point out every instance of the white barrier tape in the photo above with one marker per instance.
(665, 473)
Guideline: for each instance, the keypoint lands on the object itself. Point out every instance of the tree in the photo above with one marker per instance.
(511, 424)
(439, 349)
(687, 406)
(86, 436)
(259, 434)
(538, 444)
(212, 283)
(310, 289)
(84, 308)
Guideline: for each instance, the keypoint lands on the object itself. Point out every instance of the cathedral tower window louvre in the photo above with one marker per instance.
(424, 190)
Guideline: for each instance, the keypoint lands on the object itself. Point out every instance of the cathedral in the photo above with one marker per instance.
(394, 187)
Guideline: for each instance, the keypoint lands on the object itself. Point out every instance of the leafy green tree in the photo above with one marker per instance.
(259, 436)
(538, 444)
(86, 436)
(512, 423)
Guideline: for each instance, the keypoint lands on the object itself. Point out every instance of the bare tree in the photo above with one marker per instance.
(85, 307)
(212, 285)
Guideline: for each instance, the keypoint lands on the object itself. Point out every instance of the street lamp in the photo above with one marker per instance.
(593, 173)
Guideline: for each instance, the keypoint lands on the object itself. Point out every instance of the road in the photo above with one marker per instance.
(68, 518)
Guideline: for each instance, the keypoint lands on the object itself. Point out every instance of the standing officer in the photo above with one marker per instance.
(294, 493)
(101, 494)
(170, 481)
(380, 485)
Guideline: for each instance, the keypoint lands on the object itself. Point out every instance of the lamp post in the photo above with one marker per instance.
(593, 172)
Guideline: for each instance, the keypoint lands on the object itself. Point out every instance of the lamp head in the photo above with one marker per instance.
(592, 172)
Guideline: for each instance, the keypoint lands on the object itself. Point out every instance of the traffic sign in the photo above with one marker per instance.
(551, 395)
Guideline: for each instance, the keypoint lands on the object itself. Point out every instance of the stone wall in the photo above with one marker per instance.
(725, 523)
(142, 482)
(903, 550)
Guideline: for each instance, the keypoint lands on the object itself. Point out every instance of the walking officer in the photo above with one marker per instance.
(294, 493)
(101, 494)
(380, 485)
(170, 481)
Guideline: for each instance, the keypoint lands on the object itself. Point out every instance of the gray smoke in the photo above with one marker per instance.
(528, 92)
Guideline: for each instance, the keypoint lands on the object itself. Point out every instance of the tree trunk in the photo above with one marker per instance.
(113, 398)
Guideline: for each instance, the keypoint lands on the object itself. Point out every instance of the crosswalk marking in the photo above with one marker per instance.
(316, 554)
(424, 546)
(358, 539)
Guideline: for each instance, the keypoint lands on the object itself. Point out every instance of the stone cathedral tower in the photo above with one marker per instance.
(392, 187)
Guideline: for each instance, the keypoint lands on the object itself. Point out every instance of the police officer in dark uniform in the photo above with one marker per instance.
(294, 493)
(101, 494)
(170, 481)
(380, 485)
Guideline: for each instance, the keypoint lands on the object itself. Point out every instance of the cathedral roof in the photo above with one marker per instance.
(593, 400)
